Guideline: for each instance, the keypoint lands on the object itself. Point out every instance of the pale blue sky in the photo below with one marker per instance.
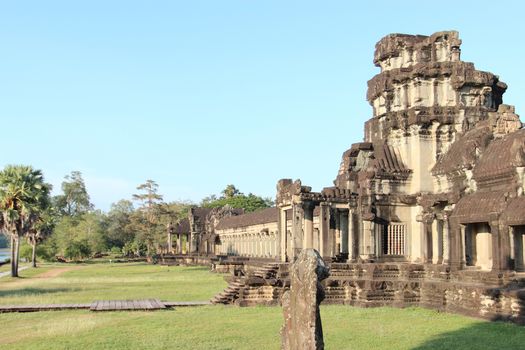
(200, 94)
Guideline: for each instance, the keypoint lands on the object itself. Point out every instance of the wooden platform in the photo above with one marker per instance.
(115, 305)
(105, 305)
(41, 307)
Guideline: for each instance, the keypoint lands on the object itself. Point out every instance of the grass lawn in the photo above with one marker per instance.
(83, 283)
(7, 267)
(212, 327)
(219, 327)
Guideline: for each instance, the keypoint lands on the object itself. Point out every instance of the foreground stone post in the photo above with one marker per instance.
(302, 328)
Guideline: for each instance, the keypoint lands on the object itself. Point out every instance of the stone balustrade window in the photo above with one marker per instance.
(394, 239)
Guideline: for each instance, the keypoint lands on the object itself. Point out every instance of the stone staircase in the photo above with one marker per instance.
(267, 271)
(231, 293)
(256, 285)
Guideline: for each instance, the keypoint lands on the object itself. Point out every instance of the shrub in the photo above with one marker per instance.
(77, 250)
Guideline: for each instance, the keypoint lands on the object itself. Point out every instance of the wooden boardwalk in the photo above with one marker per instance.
(115, 305)
(42, 307)
(105, 305)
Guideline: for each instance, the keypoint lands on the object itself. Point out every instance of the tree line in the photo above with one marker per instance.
(68, 227)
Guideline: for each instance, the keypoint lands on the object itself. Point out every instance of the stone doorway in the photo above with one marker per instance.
(478, 245)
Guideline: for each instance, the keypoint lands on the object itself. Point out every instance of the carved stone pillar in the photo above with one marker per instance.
(283, 229)
(446, 241)
(324, 230)
(179, 243)
(500, 246)
(302, 327)
(308, 225)
(462, 241)
(352, 249)
(368, 247)
(297, 230)
(336, 235)
(427, 245)
(436, 249)
(170, 239)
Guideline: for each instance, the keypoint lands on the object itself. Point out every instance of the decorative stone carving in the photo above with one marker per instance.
(505, 121)
(302, 328)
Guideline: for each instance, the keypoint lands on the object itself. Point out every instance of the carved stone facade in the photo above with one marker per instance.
(440, 164)
(430, 208)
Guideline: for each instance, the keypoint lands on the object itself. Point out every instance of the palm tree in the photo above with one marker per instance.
(23, 195)
(41, 229)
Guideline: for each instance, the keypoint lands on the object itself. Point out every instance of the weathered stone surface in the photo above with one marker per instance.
(429, 210)
(302, 328)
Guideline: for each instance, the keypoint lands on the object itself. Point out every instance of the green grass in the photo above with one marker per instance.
(110, 282)
(212, 327)
(7, 267)
(218, 327)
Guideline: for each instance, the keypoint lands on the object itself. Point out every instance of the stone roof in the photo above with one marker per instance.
(182, 227)
(258, 217)
(464, 152)
(501, 157)
(479, 207)
(515, 212)
(201, 212)
(388, 159)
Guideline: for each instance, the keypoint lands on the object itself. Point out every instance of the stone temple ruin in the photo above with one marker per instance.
(428, 210)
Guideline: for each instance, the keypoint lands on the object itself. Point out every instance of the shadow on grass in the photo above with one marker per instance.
(483, 335)
(32, 291)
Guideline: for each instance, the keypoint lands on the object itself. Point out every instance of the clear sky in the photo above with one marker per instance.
(200, 94)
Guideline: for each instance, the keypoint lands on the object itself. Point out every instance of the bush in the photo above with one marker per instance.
(43, 252)
(77, 250)
(26, 251)
(134, 249)
(116, 250)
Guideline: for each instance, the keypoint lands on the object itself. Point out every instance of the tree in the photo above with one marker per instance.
(231, 191)
(75, 199)
(23, 195)
(119, 230)
(147, 219)
(41, 230)
(236, 199)
(85, 231)
(150, 198)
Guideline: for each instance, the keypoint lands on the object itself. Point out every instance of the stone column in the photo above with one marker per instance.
(462, 258)
(427, 243)
(446, 241)
(308, 226)
(336, 241)
(436, 251)
(282, 234)
(351, 237)
(368, 247)
(302, 327)
(179, 243)
(170, 241)
(324, 230)
(297, 230)
(500, 246)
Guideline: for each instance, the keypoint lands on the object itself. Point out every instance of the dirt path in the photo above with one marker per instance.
(58, 271)
(8, 273)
